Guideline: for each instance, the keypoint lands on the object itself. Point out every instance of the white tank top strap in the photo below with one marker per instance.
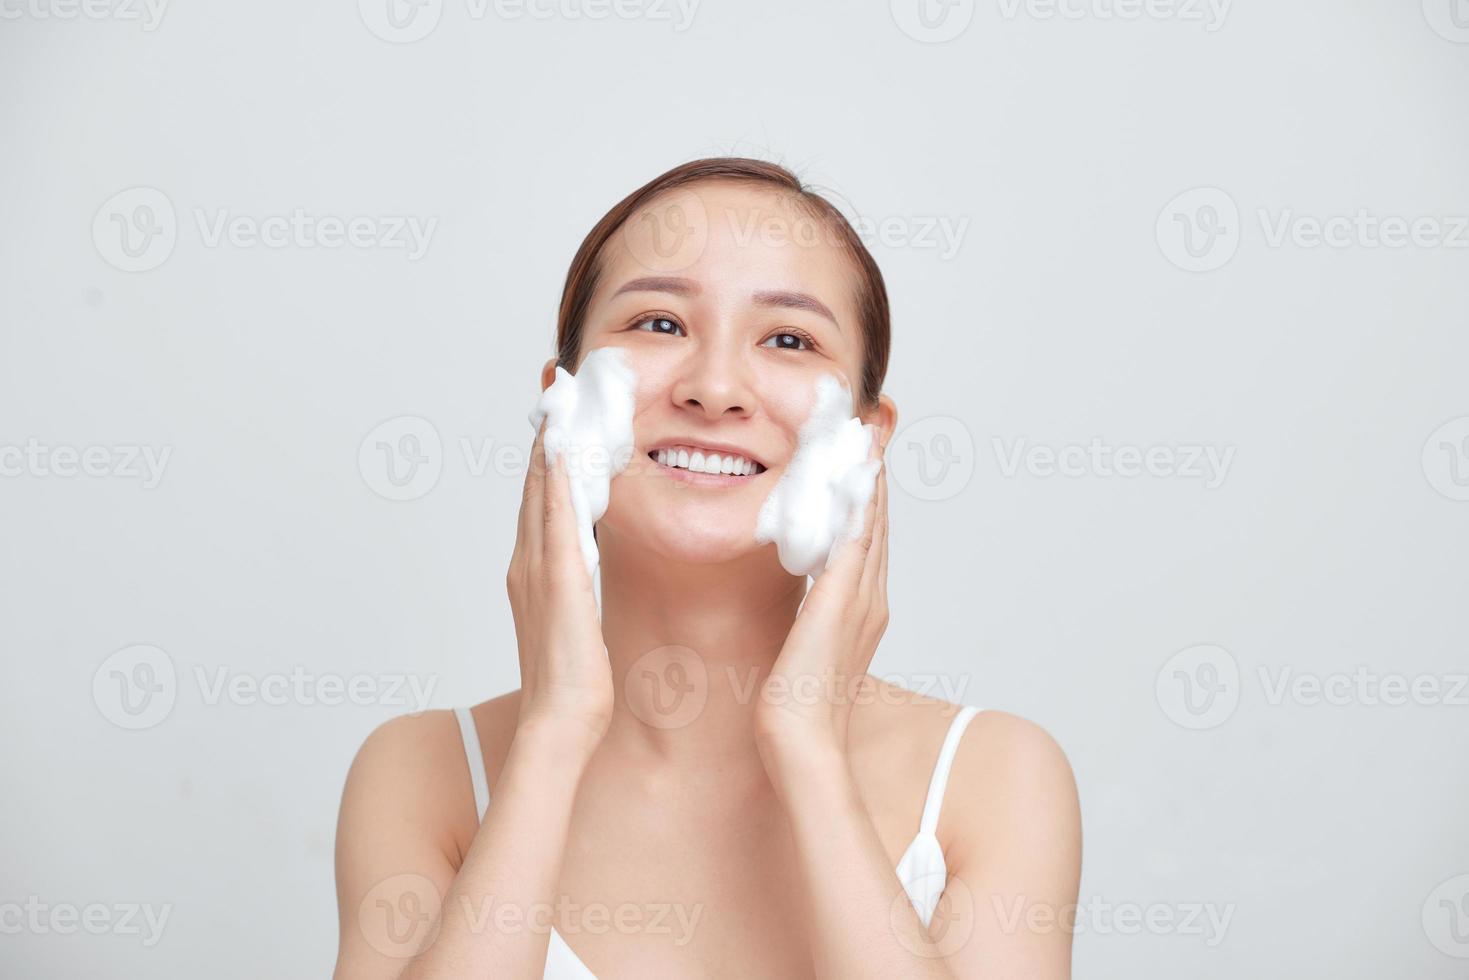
(476, 759)
(940, 779)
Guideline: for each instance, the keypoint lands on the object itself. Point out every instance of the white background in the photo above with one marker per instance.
(1071, 309)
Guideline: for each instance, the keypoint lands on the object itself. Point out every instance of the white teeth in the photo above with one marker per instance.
(698, 462)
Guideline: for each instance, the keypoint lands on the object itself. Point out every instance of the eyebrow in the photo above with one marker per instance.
(795, 301)
(659, 284)
(783, 298)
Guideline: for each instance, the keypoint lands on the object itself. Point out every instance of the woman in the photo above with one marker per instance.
(706, 781)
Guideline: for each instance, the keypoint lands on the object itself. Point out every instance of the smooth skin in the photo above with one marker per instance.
(756, 829)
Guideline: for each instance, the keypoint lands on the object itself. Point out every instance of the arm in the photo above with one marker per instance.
(1018, 830)
(497, 915)
(862, 924)
(1015, 850)
(404, 911)
(1013, 855)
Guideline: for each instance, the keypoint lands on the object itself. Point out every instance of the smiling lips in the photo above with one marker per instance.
(705, 467)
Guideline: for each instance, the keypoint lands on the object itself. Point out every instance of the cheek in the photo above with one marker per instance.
(652, 373)
(789, 397)
(784, 387)
(655, 381)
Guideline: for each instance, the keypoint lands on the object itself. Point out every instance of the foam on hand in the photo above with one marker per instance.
(590, 425)
(821, 498)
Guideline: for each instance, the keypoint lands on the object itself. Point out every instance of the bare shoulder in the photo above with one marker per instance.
(406, 820)
(411, 776)
(494, 722)
(1012, 806)
(1010, 785)
(401, 783)
(1010, 770)
(894, 729)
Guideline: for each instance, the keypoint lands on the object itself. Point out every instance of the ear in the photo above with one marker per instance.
(548, 374)
(885, 417)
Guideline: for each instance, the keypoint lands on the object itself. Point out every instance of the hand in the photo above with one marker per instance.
(807, 699)
(566, 680)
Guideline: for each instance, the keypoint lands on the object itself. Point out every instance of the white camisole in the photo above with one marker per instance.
(921, 870)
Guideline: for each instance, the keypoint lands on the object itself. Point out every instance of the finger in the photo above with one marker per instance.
(531, 508)
(849, 555)
(882, 566)
(872, 512)
(560, 535)
(874, 582)
(876, 503)
(873, 564)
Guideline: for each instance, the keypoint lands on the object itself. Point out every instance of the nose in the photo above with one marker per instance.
(715, 380)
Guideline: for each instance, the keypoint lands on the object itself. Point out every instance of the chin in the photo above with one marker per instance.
(691, 532)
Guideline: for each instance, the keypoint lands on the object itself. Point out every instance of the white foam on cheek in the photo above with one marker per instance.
(821, 498)
(590, 426)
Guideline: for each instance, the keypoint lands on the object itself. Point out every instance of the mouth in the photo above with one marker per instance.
(704, 466)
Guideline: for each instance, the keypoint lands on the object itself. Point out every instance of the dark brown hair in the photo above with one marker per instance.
(871, 299)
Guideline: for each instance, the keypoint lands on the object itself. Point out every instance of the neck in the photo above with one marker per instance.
(690, 646)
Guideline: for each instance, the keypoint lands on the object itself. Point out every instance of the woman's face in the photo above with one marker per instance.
(730, 302)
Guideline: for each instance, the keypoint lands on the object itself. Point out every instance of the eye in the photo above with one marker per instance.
(800, 336)
(661, 324)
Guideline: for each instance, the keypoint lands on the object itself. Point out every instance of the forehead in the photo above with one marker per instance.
(734, 238)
